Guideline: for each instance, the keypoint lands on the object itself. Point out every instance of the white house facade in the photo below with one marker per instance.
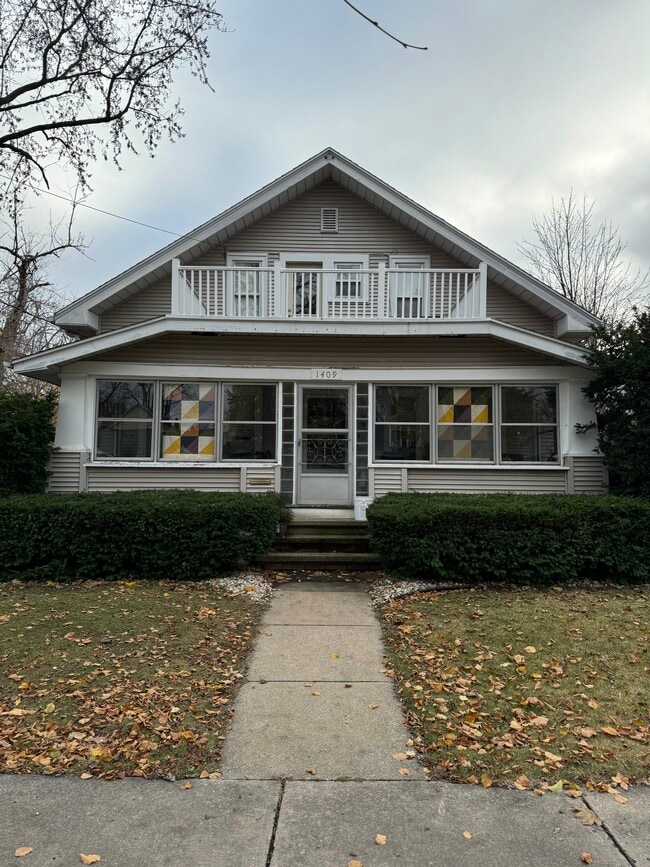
(329, 339)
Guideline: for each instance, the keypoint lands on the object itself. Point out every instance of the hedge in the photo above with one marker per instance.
(178, 535)
(26, 437)
(518, 538)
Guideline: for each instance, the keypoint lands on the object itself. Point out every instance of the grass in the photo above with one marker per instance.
(526, 687)
(115, 679)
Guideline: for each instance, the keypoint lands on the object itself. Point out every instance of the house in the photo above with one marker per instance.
(328, 338)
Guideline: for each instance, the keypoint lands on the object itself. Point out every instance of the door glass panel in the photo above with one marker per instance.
(325, 409)
(325, 453)
(324, 438)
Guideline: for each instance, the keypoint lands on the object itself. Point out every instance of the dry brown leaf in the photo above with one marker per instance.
(312, 771)
(89, 859)
(373, 706)
(486, 782)
(85, 776)
(334, 655)
(354, 864)
(592, 703)
(608, 730)
(530, 649)
(467, 835)
(380, 840)
(404, 772)
(400, 757)
(315, 692)
(587, 816)
(522, 782)
(586, 858)
(22, 851)
(185, 786)
(620, 799)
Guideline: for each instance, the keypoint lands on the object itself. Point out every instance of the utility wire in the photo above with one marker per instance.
(390, 35)
(27, 312)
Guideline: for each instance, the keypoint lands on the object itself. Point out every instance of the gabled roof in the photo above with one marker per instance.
(82, 315)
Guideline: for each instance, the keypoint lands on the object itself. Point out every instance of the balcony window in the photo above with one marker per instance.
(402, 423)
(529, 423)
(465, 430)
(124, 419)
(247, 285)
(249, 429)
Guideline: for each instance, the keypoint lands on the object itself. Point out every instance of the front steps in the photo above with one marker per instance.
(322, 544)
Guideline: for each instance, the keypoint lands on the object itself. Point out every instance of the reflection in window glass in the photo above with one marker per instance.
(249, 427)
(124, 419)
(402, 423)
(529, 423)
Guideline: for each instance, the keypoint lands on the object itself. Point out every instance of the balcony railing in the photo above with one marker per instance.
(328, 294)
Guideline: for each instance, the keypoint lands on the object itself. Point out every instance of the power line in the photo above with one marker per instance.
(110, 213)
(27, 313)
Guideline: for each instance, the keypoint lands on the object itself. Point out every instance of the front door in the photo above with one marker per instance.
(324, 459)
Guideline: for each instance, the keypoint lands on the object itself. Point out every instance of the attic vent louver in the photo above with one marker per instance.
(329, 219)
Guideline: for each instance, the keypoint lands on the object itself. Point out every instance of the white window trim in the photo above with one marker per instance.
(394, 263)
(258, 259)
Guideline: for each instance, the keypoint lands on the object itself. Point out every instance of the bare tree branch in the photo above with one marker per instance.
(80, 78)
(584, 262)
(379, 27)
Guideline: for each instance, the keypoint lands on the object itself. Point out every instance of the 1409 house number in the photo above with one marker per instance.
(326, 373)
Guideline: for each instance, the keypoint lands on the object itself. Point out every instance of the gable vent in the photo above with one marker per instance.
(329, 219)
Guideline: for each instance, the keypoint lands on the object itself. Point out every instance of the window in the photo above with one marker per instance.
(465, 428)
(402, 423)
(249, 422)
(529, 423)
(247, 286)
(124, 419)
(348, 282)
(409, 291)
(187, 421)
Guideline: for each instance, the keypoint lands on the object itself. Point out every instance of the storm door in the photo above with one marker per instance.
(324, 459)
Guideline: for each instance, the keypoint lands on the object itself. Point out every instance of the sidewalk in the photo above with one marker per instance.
(309, 779)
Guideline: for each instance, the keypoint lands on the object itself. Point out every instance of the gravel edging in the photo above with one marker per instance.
(249, 583)
(384, 589)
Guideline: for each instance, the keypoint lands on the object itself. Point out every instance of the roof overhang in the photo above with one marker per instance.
(82, 315)
(48, 365)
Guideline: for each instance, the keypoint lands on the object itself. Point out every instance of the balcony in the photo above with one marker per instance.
(276, 293)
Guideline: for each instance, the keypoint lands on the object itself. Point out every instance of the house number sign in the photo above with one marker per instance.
(327, 373)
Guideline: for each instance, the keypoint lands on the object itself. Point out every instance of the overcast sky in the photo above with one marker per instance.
(515, 102)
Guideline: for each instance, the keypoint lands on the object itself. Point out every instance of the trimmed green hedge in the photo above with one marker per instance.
(519, 538)
(179, 535)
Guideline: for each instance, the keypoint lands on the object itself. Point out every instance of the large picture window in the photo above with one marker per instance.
(249, 422)
(402, 423)
(124, 419)
(187, 421)
(465, 428)
(529, 423)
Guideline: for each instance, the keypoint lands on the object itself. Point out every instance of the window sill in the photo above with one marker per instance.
(213, 465)
(418, 465)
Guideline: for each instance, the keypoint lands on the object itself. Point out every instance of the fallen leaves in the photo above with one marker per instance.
(587, 816)
(121, 681)
(380, 840)
(478, 709)
(373, 706)
(89, 859)
(185, 786)
(467, 835)
(22, 851)
(586, 858)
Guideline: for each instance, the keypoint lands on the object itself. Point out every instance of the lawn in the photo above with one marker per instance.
(526, 687)
(113, 679)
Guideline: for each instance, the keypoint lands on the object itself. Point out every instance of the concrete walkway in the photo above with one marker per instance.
(316, 703)
(310, 781)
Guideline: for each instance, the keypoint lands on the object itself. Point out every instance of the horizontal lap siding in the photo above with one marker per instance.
(487, 481)
(65, 472)
(148, 478)
(345, 352)
(260, 480)
(588, 474)
(386, 480)
(147, 304)
(508, 308)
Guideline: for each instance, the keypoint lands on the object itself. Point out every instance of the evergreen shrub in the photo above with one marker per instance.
(178, 535)
(518, 538)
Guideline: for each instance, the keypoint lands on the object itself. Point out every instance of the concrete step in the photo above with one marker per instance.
(318, 513)
(329, 541)
(327, 529)
(320, 559)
